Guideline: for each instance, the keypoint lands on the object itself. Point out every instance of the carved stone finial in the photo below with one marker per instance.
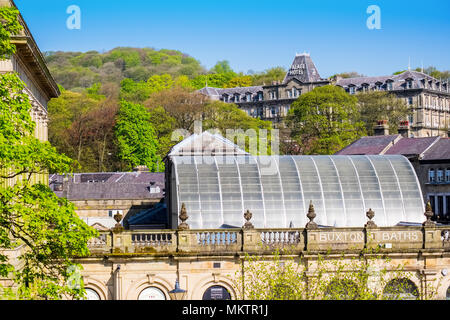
(311, 215)
(183, 217)
(429, 214)
(248, 215)
(118, 227)
(370, 224)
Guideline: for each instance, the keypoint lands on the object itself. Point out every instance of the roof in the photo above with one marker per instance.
(398, 80)
(303, 69)
(110, 186)
(219, 92)
(205, 143)
(369, 145)
(277, 190)
(429, 148)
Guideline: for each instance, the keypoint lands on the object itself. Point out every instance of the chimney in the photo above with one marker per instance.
(141, 169)
(382, 128)
(403, 128)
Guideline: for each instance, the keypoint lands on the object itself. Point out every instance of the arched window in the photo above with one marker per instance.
(341, 289)
(152, 293)
(216, 293)
(401, 289)
(440, 175)
(91, 294)
(431, 177)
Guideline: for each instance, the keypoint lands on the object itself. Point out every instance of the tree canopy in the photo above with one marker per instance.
(44, 230)
(324, 120)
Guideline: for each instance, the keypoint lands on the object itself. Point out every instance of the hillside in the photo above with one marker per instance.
(77, 70)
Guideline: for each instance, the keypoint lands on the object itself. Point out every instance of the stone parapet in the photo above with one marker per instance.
(238, 241)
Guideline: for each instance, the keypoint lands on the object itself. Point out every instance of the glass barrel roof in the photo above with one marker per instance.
(217, 190)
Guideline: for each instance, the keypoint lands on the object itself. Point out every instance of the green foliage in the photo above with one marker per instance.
(135, 92)
(9, 26)
(237, 126)
(44, 229)
(241, 81)
(164, 126)
(158, 83)
(266, 77)
(365, 276)
(136, 140)
(75, 70)
(325, 120)
(381, 105)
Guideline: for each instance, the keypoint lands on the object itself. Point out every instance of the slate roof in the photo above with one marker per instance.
(398, 81)
(110, 186)
(369, 145)
(429, 148)
(308, 69)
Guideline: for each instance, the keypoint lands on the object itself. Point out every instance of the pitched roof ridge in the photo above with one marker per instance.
(432, 144)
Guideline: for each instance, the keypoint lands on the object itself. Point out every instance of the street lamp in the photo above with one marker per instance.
(177, 293)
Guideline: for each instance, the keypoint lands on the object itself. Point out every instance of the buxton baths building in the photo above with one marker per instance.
(429, 98)
(211, 183)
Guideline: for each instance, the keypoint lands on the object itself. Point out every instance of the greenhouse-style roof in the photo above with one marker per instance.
(218, 189)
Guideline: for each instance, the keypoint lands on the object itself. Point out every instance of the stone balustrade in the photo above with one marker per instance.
(236, 241)
(251, 240)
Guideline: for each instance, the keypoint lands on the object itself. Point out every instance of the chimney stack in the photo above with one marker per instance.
(382, 128)
(403, 128)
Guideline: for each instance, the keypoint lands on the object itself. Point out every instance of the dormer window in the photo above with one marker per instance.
(260, 96)
(365, 87)
(389, 85)
(289, 94)
(352, 89)
(295, 92)
(237, 98)
(378, 86)
(225, 98)
(409, 84)
(249, 97)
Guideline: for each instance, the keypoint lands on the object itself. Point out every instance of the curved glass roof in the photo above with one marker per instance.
(217, 190)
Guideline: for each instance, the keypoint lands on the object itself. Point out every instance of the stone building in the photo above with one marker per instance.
(430, 158)
(272, 101)
(99, 196)
(28, 62)
(211, 183)
(429, 98)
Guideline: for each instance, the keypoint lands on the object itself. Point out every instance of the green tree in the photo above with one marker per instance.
(164, 126)
(325, 120)
(240, 81)
(380, 105)
(44, 230)
(234, 123)
(158, 83)
(135, 92)
(136, 140)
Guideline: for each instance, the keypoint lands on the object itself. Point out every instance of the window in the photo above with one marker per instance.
(260, 96)
(440, 205)
(225, 98)
(447, 175)
(410, 101)
(440, 175)
(249, 97)
(216, 293)
(289, 94)
(389, 85)
(378, 86)
(409, 84)
(401, 289)
(273, 95)
(431, 177)
(432, 203)
(295, 92)
(351, 90)
(237, 98)
(152, 293)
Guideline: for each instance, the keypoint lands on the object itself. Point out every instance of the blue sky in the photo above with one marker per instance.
(256, 35)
